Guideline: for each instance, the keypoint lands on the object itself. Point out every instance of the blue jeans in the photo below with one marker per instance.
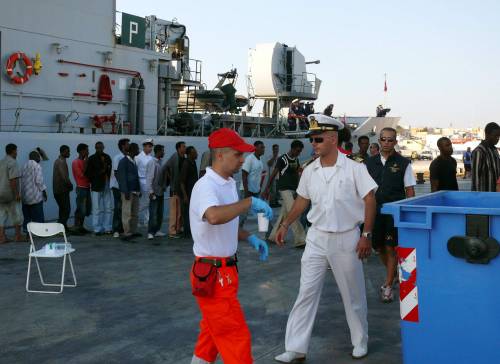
(102, 210)
(32, 213)
(155, 214)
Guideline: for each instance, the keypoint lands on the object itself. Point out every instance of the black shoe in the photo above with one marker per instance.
(126, 238)
(99, 233)
(136, 235)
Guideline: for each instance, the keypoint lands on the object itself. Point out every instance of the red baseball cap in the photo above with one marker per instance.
(228, 138)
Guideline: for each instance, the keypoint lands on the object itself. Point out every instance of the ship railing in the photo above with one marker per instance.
(191, 70)
(24, 104)
(303, 84)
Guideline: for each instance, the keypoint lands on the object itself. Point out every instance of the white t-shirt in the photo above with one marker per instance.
(409, 177)
(213, 240)
(113, 183)
(254, 168)
(142, 160)
(336, 194)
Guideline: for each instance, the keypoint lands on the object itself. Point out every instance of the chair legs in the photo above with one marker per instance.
(60, 285)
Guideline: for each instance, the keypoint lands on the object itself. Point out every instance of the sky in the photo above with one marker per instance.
(441, 57)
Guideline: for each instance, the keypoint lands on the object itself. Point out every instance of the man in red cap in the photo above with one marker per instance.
(213, 213)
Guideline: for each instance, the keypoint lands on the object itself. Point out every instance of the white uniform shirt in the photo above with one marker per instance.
(113, 183)
(213, 240)
(336, 194)
(254, 168)
(142, 160)
(409, 177)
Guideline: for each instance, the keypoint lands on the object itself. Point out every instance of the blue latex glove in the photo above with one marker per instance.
(259, 205)
(259, 245)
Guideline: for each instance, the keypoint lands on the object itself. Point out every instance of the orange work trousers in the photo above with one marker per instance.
(223, 329)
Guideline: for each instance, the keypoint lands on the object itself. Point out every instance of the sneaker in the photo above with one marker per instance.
(174, 236)
(150, 237)
(386, 294)
(359, 352)
(290, 357)
(159, 234)
(116, 234)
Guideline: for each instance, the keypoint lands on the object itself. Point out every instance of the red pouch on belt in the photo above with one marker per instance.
(205, 275)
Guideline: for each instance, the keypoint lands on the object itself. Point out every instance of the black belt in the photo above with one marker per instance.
(218, 262)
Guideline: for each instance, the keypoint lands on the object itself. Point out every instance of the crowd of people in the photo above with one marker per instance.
(120, 193)
(332, 203)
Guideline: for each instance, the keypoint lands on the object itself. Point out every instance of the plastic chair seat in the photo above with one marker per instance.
(42, 253)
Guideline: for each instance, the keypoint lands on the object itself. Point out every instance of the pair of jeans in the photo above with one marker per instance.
(102, 210)
(117, 211)
(156, 207)
(64, 204)
(83, 205)
(32, 213)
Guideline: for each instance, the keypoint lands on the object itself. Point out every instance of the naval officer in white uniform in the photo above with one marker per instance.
(341, 193)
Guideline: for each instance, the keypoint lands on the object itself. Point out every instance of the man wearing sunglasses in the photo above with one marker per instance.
(394, 176)
(342, 196)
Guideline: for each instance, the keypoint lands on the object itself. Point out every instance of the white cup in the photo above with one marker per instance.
(263, 222)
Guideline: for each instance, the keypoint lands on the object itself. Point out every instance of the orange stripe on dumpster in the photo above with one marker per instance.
(408, 293)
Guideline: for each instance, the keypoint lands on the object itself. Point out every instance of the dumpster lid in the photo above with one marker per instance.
(418, 211)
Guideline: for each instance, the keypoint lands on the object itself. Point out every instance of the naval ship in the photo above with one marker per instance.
(78, 72)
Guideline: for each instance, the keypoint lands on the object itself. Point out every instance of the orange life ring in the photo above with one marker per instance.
(11, 63)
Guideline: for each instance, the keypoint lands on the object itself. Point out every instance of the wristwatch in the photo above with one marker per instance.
(367, 234)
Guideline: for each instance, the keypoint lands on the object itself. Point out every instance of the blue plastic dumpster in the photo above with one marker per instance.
(449, 276)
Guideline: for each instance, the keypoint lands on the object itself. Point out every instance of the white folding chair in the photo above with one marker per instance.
(46, 230)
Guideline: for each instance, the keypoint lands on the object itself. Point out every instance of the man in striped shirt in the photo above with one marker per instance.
(33, 190)
(486, 161)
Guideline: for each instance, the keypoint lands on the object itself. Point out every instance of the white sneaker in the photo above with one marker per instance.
(290, 357)
(116, 234)
(159, 234)
(359, 352)
(386, 294)
(150, 237)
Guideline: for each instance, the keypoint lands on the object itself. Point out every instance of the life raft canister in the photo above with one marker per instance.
(11, 63)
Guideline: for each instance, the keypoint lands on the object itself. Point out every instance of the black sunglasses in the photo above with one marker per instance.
(316, 140)
(390, 140)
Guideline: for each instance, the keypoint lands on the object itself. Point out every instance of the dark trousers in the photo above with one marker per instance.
(33, 213)
(185, 218)
(64, 204)
(156, 207)
(117, 211)
(83, 205)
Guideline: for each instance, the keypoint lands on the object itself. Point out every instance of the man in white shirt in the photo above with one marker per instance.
(213, 214)
(394, 176)
(142, 161)
(123, 145)
(341, 194)
(251, 173)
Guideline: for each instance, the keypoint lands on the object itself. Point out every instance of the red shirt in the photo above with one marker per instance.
(78, 167)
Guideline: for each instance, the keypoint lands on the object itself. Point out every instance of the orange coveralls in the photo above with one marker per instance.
(222, 327)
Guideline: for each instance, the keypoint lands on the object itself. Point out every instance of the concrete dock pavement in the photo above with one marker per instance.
(133, 304)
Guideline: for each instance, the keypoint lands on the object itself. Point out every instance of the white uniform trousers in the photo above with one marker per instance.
(144, 204)
(337, 250)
